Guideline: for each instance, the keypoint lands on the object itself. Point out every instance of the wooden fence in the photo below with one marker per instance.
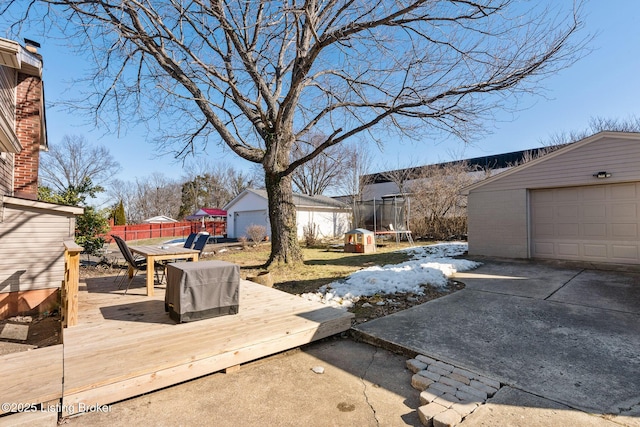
(168, 229)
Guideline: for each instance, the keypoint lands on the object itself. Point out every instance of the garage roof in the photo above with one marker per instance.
(300, 200)
(576, 145)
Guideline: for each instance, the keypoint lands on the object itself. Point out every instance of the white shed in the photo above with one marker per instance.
(331, 217)
(581, 202)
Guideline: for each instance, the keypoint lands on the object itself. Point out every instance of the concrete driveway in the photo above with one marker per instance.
(558, 336)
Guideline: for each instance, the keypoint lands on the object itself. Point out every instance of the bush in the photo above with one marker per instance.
(439, 228)
(119, 217)
(90, 226)
(256, 233)
(311, 234)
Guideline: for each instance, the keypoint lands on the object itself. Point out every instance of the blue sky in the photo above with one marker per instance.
(606, 83)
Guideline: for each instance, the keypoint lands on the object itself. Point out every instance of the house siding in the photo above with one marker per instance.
(498, 223)
(7, 126)
(7, 101)
(617, 155)
(6, 174)
(378, 190)
(38, 233)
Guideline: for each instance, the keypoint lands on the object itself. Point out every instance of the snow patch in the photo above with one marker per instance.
(430, 264)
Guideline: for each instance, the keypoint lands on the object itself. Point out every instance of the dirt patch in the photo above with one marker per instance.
(380, 305)
(43, 331)
(101, 269)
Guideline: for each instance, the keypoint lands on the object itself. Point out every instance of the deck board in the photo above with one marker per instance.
(31, 377)
(126, 345)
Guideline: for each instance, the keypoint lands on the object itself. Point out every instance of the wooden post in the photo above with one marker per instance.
(71, 283)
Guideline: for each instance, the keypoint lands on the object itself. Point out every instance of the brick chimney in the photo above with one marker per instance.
(30, 132)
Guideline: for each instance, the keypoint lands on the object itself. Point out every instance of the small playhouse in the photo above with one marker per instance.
(360, 240)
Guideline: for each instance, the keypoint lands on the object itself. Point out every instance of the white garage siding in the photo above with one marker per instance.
(244, 219)
(329, 224)
(251, 207)
(597, 223)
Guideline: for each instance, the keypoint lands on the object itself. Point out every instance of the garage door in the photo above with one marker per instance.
(597, 223)
(244, 219)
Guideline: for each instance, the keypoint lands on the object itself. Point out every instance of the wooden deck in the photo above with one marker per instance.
(126, 345)
(30, 378)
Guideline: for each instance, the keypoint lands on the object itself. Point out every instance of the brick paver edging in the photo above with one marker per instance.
(448, 394)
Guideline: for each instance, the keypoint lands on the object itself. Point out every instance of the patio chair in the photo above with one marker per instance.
(189, 242)
(119, 241)
(136, 264)
(201, 243)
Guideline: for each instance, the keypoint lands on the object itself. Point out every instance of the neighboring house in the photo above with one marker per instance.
(581, 203)
(209, 214)
(31, 232)
(213, 220)
(381, 185)
(331, 217)
(426, 199)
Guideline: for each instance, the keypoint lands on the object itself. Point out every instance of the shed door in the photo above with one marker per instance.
(246, 218)
(597, 223)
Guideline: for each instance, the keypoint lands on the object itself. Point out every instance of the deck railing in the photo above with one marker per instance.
(69, 294)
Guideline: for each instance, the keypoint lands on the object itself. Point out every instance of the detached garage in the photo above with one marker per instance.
(331, 217)
(581, 202)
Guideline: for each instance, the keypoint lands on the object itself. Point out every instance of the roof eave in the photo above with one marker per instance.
(588, 140)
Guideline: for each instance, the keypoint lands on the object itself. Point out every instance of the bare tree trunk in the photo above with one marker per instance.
(282, 215)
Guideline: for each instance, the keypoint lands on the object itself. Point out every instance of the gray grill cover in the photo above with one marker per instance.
(200, 290)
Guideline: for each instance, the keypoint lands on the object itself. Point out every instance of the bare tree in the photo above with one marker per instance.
(206, 186)
(438, 210)
(150, 196)
(146, 197)
(402, 176)
(124, 191)
(238, 181)
(596, 124)
(358, 163)
(558, 140)
(69, 163)
(353, 183)
(323, 171)
(211, 186)
(260, 75)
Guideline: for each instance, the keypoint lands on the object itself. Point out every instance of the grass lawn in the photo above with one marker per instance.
(321, 266)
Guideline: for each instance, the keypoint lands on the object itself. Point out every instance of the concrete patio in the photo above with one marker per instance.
(566, 333)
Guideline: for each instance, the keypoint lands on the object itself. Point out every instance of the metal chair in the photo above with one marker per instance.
(136, 264)
(119, 241)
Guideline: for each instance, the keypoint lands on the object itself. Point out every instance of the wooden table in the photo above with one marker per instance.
(160, 253)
